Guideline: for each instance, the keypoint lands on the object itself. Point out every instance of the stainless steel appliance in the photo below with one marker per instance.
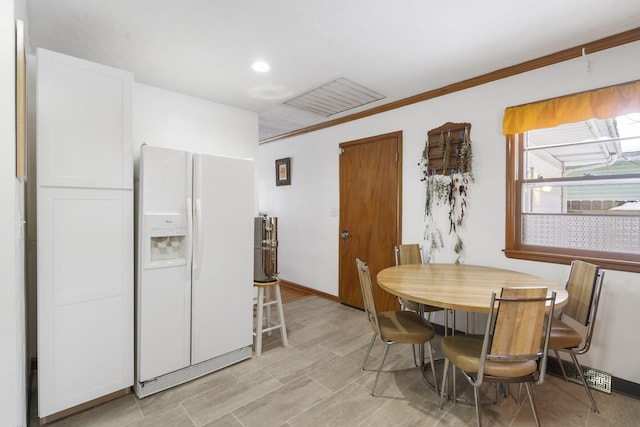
(265, 249)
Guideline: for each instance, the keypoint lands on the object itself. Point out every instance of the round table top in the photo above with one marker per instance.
(458, 286)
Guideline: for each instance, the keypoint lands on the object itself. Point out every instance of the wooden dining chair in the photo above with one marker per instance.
(583, 286)
(513, 348)
(392, 327)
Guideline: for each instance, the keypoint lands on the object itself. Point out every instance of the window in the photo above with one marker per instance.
(573, 190)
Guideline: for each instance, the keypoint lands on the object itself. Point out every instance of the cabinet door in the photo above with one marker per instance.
(83, 123)
(85, 231)
(85, 295)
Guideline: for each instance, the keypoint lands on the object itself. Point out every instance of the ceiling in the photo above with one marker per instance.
(205, 48)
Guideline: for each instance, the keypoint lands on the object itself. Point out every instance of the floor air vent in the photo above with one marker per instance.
(335, 97)
(596, 380)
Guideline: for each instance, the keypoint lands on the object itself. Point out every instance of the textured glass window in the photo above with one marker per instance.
(605, 233)
(578, 191)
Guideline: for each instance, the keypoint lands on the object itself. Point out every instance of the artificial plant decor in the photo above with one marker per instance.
(446, 170)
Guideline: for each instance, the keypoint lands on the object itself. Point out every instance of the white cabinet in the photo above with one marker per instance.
(85, 232)
(83, 123)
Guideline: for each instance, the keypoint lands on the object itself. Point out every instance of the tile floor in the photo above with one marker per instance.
(317, 381)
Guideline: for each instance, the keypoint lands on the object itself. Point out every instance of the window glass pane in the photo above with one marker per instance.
(606, 197)
(581, 188)
(603, 233)
(594, 147)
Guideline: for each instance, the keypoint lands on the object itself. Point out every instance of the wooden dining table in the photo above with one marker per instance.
(458, 286)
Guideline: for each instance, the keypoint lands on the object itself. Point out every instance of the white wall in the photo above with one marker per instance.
(12, 321)
(308, 234)
(171, 120)
(307, 210)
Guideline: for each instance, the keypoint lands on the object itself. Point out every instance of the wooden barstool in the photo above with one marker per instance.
(265, 302)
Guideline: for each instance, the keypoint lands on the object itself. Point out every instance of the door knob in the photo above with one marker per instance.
(344, 234)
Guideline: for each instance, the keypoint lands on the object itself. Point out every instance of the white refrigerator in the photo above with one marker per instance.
(194, 295)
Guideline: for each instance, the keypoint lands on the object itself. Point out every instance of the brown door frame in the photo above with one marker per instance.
(398, 219)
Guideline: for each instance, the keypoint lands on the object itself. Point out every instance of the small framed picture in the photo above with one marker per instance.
(283, 171)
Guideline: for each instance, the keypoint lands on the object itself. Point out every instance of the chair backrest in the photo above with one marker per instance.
(367, 295)
(583, 286)
(409, 254)
(518, 327)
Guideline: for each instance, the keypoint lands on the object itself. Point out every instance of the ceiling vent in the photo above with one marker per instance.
(335, 97)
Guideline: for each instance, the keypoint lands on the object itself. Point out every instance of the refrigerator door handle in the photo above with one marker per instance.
(197, 237)
(187, 270)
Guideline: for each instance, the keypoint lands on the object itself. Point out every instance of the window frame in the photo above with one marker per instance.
(514, 248)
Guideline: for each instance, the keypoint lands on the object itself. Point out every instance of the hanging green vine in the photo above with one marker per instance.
(465, 154)
(445, 152)
(437, 189)
(446, 184)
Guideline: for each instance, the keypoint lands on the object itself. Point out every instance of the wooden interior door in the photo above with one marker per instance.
(370, 213)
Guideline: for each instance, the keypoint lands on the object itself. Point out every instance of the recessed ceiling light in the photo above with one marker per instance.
(260, 66)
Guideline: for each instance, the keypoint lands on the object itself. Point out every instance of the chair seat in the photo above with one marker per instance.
(405, 327)
(266, 284)
(464, 352)
(402, 327)
(563, 335)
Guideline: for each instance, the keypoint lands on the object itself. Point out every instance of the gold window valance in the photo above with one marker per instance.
(602, 103)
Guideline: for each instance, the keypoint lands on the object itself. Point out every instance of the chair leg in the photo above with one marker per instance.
(594, 407)
(476, 398)
(444, 383)
(283, 328)
(533, 404)
(518, 401)
(433, 367)
(416, 356)
(447, 312)
(564, 373)
(259, 320)
(384, 356)
(268, 299)
(366, 356)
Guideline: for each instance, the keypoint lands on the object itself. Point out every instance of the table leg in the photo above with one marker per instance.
(426, 364)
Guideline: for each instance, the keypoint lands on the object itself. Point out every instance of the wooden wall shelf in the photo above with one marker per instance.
(445, 149)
